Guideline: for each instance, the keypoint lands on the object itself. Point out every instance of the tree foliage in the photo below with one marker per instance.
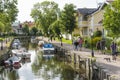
(44, 14)
(25, 29)
(111, 20)
(98, 33)
(34, 30)
(1, 27)
(8, 13)
(57, 28)
(68, 18)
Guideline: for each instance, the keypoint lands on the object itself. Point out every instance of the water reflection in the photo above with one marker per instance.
(52, 69)
(40, 68)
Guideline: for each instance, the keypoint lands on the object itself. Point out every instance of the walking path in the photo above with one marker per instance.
(4, 46)
(101, 59)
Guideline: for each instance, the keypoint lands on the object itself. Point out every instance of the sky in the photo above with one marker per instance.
(25, 6)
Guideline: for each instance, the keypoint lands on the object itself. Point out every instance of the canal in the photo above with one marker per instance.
(39, 68)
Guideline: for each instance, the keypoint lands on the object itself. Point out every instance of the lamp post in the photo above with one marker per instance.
(92, 54)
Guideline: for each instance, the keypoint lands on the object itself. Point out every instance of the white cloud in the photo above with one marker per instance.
(25, 6)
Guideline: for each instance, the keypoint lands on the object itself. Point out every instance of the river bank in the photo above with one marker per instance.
(104, 66)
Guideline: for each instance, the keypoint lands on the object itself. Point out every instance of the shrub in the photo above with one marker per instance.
(95, 39)
(1, 39)
(88, 40)
(98, 33)
(108, 43)
(76, 35)
(118, 44)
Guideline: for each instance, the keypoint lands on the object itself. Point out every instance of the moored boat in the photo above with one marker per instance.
(48, 48)
(13, 61)
(22, 52)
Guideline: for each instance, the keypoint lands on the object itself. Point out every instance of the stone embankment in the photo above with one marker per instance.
(106, 68)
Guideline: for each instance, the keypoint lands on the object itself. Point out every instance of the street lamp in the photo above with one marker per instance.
(92, 54)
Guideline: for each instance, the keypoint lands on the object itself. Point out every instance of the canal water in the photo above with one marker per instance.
(40, 68)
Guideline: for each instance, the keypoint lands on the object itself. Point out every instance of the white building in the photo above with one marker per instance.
(17, 28)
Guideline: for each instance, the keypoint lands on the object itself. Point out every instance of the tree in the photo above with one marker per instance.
(44, 14)
(8, 13)
(34, 30)
(57, 28)
(1, 27)
(111, 20)
(68, 18)
(25, 29)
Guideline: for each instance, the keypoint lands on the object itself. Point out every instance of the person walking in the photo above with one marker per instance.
(113, 48)
(98, 46)
(80, 40)
(76, 45)
(103, 43)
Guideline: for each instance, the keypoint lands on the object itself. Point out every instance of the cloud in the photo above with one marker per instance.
(25, 6)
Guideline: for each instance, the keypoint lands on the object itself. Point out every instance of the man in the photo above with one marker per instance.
(113, 48)
(98, 46)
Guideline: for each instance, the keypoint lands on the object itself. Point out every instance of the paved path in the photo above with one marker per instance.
(5, 47)
(112, 66)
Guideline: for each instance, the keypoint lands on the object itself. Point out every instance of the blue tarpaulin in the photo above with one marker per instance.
(48, 45)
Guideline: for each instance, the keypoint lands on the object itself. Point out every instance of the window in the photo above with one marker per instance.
(84, 18)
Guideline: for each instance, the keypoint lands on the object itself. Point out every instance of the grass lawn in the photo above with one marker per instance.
(65, 41)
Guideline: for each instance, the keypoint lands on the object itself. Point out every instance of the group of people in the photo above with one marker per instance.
(100, 46)
(113, 47)
(78, 44)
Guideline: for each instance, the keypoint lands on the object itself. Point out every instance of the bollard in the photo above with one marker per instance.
(79, 60)
(74, 58)
(1, 45)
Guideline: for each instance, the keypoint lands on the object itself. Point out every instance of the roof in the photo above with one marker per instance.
(86, 11)
(101, 6)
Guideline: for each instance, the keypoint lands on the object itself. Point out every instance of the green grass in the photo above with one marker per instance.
(65, 41)
(1, 39)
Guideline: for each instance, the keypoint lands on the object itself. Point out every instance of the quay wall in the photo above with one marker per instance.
(93, 69)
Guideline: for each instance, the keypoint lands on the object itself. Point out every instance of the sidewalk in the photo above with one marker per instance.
(112, 66)
(5, 47)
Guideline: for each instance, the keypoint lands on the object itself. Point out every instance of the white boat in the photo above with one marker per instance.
(16, 44)
(16, 40)
(13, 61)
(22, 52)
(40, 44)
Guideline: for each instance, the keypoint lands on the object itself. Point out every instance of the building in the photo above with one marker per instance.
(29, 23)
(90, 19)
(85, 20)
(17, 27)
